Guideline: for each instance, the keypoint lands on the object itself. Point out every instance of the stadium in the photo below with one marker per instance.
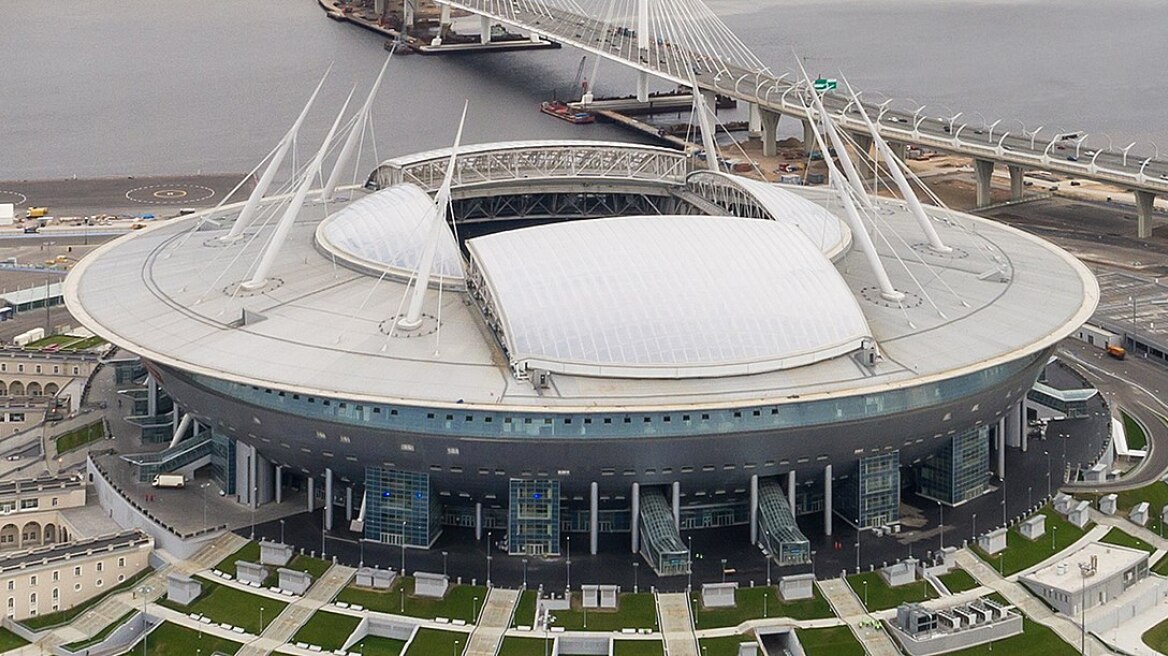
(600, 339)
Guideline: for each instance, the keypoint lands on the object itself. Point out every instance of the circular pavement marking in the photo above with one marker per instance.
(175, 194)
(14, 197)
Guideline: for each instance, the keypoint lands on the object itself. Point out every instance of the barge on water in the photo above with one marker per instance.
(563, 112)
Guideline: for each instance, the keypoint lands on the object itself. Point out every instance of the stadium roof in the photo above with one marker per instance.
(666, 297)
(386, 232)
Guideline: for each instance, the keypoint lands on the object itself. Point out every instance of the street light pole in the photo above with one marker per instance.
(205, 486)
(568, 563)
(723, 570)
(636, 567)
(689, 558)
(144, 591)
(1049, 465)
(490, 541)
(444, 554)
(281, 531)
(261, 619)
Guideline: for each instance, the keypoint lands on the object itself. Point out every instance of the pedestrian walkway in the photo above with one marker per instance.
(493, 621)
(112, 608)
(1027, 603)
(865, 627)
(677, 624)
(297, 613)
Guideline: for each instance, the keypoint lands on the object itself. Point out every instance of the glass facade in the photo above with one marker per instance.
(470, 422)
(149, 465)
(399, 507)
(778, 531)
(870, 497)
(960, 471)
(660, 543)
(533, 518)
(223, 461)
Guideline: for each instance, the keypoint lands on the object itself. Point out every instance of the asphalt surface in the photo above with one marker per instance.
(161, 196)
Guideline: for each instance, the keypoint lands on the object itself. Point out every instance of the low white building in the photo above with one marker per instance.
(1088, 577)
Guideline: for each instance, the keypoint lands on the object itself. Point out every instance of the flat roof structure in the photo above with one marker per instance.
(166, 294)
(1066, 573)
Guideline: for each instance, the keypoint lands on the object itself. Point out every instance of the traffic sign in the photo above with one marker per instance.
(825, 84)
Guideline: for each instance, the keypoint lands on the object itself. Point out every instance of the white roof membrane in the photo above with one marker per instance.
(387, 231)
(666, 297)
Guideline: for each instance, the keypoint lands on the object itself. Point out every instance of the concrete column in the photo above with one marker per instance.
(984, 171)
(484, 30)
(311, 493)
(899, 149)
(1000, 445)
(328, 499)
(754, 509)
(593, 517)
(444, 19)
(478, 520)
(827, 500)
(642, 86)
(379, 7)
(863, 145)
(754, 122)
(1014, 428)
(151, 396)
(770, 132)
(809, 137)
(636, 518)
(348, 503)
(279, 483)
(1145, 202)
(677, 505)
(1016, 182)
(791, 490)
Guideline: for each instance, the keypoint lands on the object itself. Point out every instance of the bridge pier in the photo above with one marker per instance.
(984, 171)
(1145, 204)
(1016, 183)
(809, 137)
(379, 7)
(754, 126)
(484, 30)
(769, 122)
(642, 86)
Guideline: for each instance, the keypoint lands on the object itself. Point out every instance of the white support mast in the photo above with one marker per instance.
(354, 135)
(707, 126)
(413, 317)
(840, 150)
(261, 188)
(859, 233)
(268, 257)
(906, 191)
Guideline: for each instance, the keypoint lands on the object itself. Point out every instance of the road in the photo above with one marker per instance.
(1135, 385)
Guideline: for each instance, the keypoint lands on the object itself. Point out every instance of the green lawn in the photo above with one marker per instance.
(174, 640)
(79, 437)
(1157, 637)
(377, 646)
(1161, 566)
(833, 641)
(68, 343)
(432, 642)
(100, 635)
(726, 646)
(751, 605)
(958, 580)
(997, 598)
(1133, 431)
(249, 552)
(223, 604)
(522, 647)
(65, 616)
(329, 631)
(1116, 536)
(458, 604)
(634, 611)
(1034, 639)
(525, 609)
(881, 596)
(1156, 494)
(9, 640)
(1021, 553)
(314, 566)
(638, 648)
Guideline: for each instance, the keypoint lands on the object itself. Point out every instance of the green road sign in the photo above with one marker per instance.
(825, 84)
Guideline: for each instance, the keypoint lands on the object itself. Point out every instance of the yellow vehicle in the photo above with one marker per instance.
(36, 212)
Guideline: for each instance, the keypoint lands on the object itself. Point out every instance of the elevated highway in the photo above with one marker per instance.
(682, 36)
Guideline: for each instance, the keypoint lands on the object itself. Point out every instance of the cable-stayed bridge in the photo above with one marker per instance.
(668, 39)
